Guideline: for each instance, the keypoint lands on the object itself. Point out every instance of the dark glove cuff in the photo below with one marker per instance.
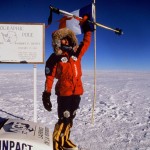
(87, 26)
(47, 93)
(46, 96)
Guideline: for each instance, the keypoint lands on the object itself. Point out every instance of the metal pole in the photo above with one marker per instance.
(94, 100)
(35, 91)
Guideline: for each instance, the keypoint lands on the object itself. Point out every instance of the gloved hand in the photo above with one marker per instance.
(85, 25)
(46, 101)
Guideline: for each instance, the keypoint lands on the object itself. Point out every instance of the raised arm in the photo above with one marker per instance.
(87, 36)
(85, 44)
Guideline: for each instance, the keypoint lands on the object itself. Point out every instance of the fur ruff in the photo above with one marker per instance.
(60, 34)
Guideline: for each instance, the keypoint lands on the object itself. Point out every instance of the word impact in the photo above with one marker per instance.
(12, 145)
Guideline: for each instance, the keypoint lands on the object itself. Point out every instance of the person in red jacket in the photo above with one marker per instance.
(65, 65)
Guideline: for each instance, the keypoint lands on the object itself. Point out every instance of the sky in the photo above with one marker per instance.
(131, 51)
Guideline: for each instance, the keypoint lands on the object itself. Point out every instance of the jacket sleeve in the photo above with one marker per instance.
(50, 71)
(85, 44)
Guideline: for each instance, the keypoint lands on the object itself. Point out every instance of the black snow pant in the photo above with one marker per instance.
(67, 107)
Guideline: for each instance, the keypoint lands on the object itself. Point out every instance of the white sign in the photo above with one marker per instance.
(22, 43)
(25, 135)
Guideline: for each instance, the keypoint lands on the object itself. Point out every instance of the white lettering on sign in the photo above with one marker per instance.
(12, 145)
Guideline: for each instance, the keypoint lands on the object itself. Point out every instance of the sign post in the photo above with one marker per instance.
(35, 91)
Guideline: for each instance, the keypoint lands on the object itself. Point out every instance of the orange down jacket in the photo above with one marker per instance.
(67, 70)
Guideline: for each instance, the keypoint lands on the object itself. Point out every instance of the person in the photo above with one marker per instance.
(65, 65)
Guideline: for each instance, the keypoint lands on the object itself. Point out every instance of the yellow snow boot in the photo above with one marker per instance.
(58, 141)
(68, 144)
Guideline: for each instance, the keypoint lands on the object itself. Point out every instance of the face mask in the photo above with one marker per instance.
(66, 48)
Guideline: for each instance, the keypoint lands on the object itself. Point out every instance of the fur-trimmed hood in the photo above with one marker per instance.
(60, 34)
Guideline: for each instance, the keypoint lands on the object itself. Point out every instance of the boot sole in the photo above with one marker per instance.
(71, 148)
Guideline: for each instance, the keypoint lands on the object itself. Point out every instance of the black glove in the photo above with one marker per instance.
(86, 25)
(46, 101)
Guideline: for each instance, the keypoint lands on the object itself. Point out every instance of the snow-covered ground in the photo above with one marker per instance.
(122, 109)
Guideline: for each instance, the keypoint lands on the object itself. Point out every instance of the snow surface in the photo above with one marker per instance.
(122, 109)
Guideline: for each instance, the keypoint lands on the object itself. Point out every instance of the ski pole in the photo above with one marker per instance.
(58, 11)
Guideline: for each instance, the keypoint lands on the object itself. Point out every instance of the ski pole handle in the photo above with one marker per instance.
(117, 30)
(56, 10)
